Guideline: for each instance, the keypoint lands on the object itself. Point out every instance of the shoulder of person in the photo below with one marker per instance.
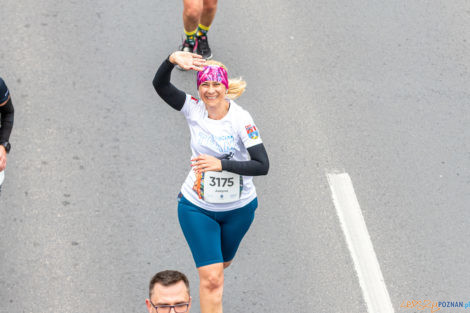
(193, 100)
(239, 112)
(3, 90)
(193, 107)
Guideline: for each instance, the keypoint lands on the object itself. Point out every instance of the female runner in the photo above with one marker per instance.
(218, 200)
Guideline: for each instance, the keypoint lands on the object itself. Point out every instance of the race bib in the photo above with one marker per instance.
(221, 187)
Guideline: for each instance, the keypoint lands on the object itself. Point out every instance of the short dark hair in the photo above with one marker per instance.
(168, 278)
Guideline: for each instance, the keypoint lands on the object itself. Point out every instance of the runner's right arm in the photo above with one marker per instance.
(166, 90)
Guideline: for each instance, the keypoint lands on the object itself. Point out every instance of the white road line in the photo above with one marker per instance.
(360, 246)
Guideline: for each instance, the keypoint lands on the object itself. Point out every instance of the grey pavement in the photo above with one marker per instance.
(379, 90)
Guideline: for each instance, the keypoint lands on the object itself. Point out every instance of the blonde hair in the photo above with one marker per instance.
(236, 86)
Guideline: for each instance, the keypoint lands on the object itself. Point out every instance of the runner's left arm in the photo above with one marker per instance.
(257, 166)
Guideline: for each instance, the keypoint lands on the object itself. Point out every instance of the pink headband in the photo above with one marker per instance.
(212, 73)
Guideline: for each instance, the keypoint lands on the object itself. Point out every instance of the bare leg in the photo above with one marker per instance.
(192, 14)
(227, 264)
(208, 12)
(211, 287)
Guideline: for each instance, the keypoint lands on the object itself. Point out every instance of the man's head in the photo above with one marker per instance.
(169, 288)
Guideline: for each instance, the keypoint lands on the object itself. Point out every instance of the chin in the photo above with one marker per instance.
(212, 103)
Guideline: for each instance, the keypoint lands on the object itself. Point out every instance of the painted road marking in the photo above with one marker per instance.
(352, 222)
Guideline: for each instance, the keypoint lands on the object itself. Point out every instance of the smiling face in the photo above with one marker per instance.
(212, 93)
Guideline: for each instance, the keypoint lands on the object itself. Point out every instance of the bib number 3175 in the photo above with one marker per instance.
(221, 187)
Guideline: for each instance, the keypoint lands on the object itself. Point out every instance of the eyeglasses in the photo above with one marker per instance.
(178, 308)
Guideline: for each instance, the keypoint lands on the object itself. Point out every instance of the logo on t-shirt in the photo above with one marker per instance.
(252, 131)
(221, 144)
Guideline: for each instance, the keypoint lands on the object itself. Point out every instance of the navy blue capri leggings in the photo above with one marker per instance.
(214, 237)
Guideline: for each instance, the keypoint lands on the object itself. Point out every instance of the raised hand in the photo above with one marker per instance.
(188, 60)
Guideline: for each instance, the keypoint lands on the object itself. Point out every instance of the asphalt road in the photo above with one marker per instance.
(378, 90)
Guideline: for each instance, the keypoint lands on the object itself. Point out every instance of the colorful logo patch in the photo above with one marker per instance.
(252, 131)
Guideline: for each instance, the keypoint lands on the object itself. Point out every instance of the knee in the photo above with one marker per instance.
(213, 281)
(192, 11)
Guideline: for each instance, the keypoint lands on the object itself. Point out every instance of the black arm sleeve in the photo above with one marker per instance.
(258, 165)
(166, 90)
(7, 113)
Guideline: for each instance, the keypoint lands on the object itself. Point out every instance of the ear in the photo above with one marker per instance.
(149, 306)
(190, 301)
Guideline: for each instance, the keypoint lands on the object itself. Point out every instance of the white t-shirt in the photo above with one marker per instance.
(232, 134)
